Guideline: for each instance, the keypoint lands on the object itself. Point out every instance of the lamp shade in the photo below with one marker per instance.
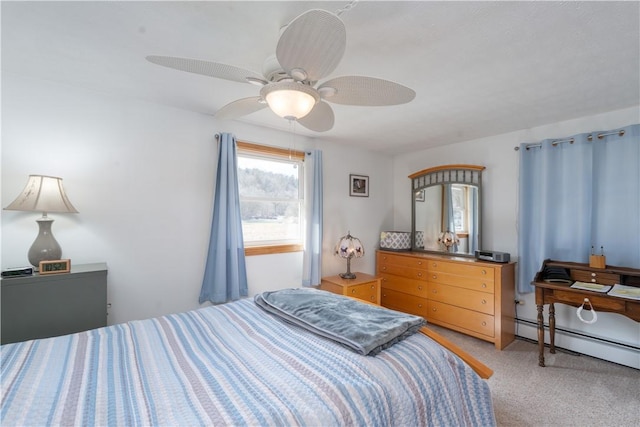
(349, 247)
(290, 100)
(42, 194)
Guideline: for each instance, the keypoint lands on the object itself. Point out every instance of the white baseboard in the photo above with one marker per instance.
(584, 345)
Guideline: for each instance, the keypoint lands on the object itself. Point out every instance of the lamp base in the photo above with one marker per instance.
(45, 247)
(347, 275)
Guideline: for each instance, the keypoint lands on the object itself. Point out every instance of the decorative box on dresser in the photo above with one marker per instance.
(470, 296)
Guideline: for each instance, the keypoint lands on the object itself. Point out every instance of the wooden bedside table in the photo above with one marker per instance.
(365, 286)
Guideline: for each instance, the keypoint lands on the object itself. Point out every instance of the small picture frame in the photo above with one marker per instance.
(55, 266)
(419, 196)
(358, 185)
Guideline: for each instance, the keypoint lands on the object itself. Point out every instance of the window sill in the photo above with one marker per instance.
(272, 249)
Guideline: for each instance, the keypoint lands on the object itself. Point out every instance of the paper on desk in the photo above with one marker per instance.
(624, 291)
(595, 287)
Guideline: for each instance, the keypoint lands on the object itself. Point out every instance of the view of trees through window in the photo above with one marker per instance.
(270, 199)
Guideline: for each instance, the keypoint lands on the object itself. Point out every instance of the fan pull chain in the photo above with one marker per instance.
(347, 8)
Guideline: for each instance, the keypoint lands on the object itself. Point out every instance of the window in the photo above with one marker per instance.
(460, 195)
(270, 182)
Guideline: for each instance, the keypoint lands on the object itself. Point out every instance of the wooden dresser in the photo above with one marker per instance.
(470, 296)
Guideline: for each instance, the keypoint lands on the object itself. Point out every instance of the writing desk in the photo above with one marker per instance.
(550, 293)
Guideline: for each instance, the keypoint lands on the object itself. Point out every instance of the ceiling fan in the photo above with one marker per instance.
(309, 49)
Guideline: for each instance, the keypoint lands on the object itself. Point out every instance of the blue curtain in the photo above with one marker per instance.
(474, 221)
(225, 274)
(576, 193)
(312, 261)
(450, 223)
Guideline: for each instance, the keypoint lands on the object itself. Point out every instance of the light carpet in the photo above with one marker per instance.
(572, 390)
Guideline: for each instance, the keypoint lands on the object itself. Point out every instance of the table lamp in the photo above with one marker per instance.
(349, 247)
(43, 194)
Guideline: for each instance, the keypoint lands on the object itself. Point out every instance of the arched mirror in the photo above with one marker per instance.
(446, 214)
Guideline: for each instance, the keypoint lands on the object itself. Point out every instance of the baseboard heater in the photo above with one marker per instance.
(579, 334)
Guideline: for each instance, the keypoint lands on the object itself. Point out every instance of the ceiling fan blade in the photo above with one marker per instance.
(366, 91)
(205, 68)
(313, 42)
(320, 119)
(239, 108)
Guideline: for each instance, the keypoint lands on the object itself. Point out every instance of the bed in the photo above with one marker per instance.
(234, 364)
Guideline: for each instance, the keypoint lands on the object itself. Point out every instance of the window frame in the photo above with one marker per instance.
(263, 151)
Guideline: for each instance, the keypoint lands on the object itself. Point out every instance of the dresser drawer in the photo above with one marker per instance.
(461, 269)
(473, 300)
(595, 277)
(402, 284)
(401, 260)
(477, 283)
(471, 320)
(403, 302)
(399, 270)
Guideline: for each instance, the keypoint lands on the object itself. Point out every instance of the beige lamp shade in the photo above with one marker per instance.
(42, 194)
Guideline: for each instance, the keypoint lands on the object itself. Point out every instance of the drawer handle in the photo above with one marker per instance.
(484, 323)
(384, 279)
(593, 280)
(373, 298)
(384, 267)
(435, 276)
(384, 257)
(593, 274)
(353, 291)
(419, 288)
(435, 291)
(484, 285)
(419, 305)
(484, 271)
(435, 309)
(419, 274)
(484, 301)
(435, 264)
(373, 286)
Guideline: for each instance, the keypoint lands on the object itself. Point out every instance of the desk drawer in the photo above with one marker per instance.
(598, 302)
(473, 300)
(595, 277)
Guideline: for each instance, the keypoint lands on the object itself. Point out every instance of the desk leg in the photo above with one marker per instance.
(552, 329)
(540, 335)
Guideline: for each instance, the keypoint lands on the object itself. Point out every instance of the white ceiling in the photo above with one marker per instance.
(478, 68)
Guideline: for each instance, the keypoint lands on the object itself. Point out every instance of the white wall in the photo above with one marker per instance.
(142, 178)
(499, 222)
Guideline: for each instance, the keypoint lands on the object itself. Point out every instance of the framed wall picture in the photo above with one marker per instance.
(55, 266)
(358, 185)
(420, 196)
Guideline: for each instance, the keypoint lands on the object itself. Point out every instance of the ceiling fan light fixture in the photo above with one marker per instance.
(290, 100)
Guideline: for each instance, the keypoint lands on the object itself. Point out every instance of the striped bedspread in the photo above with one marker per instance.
(233, 364)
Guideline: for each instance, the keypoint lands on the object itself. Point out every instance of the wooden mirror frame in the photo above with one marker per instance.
(470, 175)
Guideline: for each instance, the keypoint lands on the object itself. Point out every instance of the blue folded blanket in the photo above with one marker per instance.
(364, 328)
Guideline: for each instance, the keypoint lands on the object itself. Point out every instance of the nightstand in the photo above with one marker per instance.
(48, 305)
(365, 286)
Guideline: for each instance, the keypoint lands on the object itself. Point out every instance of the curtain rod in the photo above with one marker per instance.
(571, 140)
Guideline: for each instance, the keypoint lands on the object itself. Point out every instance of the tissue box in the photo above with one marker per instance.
(395, 240)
